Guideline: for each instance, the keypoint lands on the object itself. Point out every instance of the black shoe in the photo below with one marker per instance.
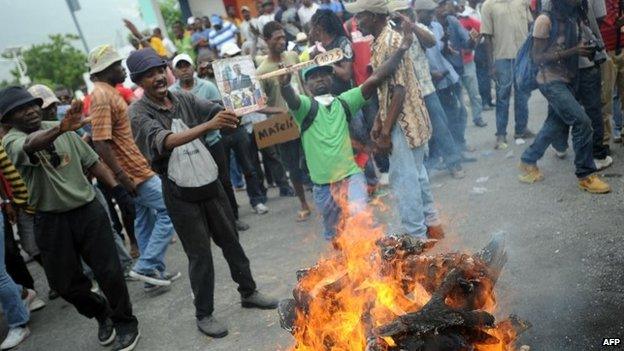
(53, 294)
(287, 192)
(126, 342)
(527, 134)
(480, 123)
(241, 226)
(258, 300)
(212, 327)
(106, 332)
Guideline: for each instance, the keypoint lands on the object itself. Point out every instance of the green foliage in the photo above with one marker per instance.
(55, 62)
(170, 10)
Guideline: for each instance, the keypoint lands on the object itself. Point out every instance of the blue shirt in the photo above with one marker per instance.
(437, 62)
(459, 39)
(195, 37)
(205, 90)
(227, 33)
(333, 5)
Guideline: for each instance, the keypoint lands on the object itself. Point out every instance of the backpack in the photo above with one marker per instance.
(525, 70)
(309, 118)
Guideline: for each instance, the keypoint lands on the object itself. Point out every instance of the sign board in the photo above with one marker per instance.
(236, 80)
(275, 130)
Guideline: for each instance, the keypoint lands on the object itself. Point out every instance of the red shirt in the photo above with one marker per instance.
(607, 27)
(469, 23)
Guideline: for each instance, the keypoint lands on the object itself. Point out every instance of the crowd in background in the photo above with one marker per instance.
(144, 161)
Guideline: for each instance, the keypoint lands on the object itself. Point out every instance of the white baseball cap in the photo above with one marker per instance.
(182, 57)
(190, 20)
(229, 49)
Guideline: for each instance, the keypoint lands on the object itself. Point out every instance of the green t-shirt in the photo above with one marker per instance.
(327, 144)
(52, 189)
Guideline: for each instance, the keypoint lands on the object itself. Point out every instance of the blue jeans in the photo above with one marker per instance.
(504, 82)
(456, 114)
(588, 94)
(410, 186)
(152, 226)
(564, 111)
(14, 309)
(470, 83)
(354, 187)
(235, 173)
(441, 138)
(617, 114)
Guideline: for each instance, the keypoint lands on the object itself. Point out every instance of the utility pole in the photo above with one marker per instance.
(73, 7)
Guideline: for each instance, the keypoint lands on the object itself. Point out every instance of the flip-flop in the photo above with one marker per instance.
(303, 215)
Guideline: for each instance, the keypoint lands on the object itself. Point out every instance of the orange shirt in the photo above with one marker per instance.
(109, 113)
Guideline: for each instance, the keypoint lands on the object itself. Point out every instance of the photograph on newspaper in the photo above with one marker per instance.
(236, 80)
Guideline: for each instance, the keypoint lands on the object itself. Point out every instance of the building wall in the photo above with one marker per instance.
(206, 7)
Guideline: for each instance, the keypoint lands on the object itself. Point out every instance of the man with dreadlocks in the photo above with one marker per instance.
(558, 60)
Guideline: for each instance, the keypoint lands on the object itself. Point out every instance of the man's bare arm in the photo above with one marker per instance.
(223, 119)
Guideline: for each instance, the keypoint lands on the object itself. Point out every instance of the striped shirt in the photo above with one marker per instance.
(227, 33)
(18, 187)
(607, 27)
(109, 113)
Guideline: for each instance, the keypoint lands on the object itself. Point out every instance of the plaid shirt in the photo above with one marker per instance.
(109, 113)
(413, 118)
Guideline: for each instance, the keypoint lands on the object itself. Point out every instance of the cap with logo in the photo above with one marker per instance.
(44, 93)
(316, 68)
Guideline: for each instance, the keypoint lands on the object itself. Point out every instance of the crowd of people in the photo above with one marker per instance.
(163, 156)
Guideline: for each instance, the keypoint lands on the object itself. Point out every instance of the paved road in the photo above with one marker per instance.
(564, 273)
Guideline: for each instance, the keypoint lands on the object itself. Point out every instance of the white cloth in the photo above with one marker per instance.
(264, 19)
(306, 13)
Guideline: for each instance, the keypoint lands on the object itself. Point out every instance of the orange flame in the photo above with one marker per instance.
(353, 290)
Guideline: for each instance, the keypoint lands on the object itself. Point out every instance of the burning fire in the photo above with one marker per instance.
(383, 293)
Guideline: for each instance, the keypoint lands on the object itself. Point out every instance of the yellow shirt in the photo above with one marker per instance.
(158, 46)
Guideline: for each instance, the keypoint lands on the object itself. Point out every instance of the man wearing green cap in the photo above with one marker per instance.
(324, 124)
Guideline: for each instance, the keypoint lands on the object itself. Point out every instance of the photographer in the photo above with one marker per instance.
(558, 59)
(587, 85)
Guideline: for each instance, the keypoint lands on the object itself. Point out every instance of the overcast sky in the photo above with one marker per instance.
(25, 22)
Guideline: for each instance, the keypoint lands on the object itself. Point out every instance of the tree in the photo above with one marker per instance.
(170, 10)
(55, 62)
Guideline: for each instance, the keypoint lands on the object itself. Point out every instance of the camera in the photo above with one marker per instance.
(599, 55)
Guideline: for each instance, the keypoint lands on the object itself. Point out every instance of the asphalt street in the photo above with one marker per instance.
(565, 271)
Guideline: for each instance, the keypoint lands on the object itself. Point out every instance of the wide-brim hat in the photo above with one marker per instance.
(45, 94)
(14, 97)
(310, 70)
(102, 57)
(374, 6)
(425, 5)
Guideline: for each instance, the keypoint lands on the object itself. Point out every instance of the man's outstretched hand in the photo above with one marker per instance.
(73, 118)
(224, 119)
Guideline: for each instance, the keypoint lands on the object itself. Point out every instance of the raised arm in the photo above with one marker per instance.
(41, 139)
(288, 93)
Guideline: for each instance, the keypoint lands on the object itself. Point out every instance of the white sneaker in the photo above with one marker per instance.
(604, 163)
(32, 302)
(384, 179)
(561, 154)
(15, 337)
(261, 209)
